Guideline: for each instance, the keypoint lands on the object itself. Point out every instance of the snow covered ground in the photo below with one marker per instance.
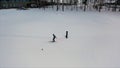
(94, 39)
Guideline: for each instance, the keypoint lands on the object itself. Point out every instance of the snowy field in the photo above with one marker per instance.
(94, 39)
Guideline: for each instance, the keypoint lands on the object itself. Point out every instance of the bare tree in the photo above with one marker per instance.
(109, 6)
(117, 2)
(101, 2)
(85, 4)
(76, 4)
(52, 3)
(38, 3)
(63, 5)
(57, 5)
(71, 3)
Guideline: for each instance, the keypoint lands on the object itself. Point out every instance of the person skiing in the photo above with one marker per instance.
(54, 37)
(66, 36)
(42, 49)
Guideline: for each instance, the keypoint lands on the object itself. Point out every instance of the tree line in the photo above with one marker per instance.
(82, 4)
(71, 4)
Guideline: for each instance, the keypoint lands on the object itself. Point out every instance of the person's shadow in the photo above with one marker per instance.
(51, 41)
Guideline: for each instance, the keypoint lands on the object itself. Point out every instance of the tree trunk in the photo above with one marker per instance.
(62, 5)
(57, 5)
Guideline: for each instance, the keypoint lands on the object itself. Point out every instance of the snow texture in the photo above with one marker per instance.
(26, 35)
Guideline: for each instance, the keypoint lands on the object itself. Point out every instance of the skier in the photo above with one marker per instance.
(54, 37)
(42, 49)
(66, 36)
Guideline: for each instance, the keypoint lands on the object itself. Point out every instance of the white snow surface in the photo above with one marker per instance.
(94, 39)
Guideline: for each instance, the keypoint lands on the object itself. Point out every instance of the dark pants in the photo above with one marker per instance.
(54, 39)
